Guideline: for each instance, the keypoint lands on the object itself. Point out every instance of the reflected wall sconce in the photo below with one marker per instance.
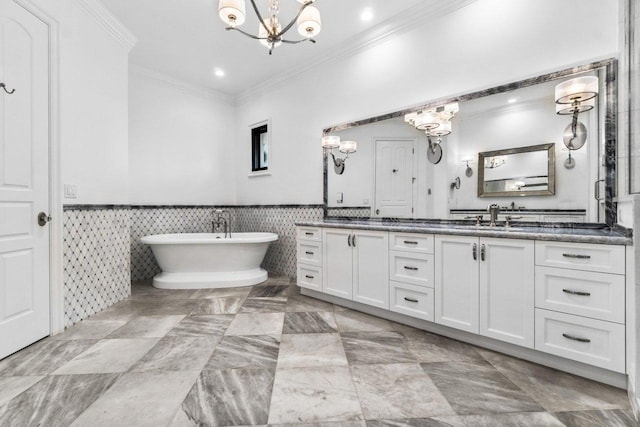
(435, 122)
(573, 97)
(330, 143)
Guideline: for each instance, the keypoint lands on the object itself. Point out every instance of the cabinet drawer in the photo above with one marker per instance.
(310, 277)
(596, 295)
(581, 256)
(309, 252)
(309, 233)
(590, 341)
(409, 267)
(411, 242)
(412, 300)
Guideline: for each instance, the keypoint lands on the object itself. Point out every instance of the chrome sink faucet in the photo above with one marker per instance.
(493, 210)
(220, 220)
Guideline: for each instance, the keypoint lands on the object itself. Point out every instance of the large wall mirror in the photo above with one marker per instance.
(541, 146)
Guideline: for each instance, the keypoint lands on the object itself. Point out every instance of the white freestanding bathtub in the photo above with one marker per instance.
(209, 260)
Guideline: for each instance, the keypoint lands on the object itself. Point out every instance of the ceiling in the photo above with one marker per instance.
(187, 41)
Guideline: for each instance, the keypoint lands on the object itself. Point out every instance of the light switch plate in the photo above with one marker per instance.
(70, 191)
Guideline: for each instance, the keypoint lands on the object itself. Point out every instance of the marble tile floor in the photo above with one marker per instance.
(266, 355)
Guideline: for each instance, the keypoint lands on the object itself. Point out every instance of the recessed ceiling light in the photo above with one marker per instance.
(219, 72)
(367, 14)
(512, 100)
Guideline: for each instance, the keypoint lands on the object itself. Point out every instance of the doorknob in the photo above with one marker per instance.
(395, 170)
(43, 219)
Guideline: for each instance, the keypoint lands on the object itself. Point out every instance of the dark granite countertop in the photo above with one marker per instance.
(523, 211)
(562, 232)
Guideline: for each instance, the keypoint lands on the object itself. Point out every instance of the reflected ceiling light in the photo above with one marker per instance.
(436, 123)
(270, 31)
(512, 100)
(331, 142)
(366, 15)
(219, 72)
(573, 97)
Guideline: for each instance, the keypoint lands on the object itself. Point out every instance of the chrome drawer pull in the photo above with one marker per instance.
(410, 299)
(576, 256)
(474, 251)
(309, 253)
(309, 277)
(410, 242)
(309, 233)
(406, 267)
(571, 337)
(582, 294)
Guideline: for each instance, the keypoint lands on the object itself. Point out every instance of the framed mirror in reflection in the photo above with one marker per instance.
(489, 152)
(521, 171)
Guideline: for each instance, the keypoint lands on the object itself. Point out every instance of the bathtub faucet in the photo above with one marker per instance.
(220, 220)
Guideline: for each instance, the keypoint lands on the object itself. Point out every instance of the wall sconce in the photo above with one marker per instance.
(331, 142)
(573, 97)
(468, 171)
(435, 122)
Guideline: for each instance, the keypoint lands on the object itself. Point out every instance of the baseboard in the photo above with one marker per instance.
(633, 397)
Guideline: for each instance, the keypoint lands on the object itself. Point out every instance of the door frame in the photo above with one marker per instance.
(56, 249)
(414, 165)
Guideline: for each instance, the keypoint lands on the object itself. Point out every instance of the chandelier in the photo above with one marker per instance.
(270, 30)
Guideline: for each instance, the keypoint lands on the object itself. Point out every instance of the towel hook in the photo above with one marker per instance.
(4, 87)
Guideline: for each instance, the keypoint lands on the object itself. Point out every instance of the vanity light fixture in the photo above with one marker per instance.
(435, 122)
(468, 171)
(270, 30)
(331, 142)
(573, 97)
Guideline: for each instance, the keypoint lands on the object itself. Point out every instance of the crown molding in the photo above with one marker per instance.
(181, 85)
(108, 22)
(405, 21)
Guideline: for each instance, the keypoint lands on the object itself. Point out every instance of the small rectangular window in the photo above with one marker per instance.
(260, 148)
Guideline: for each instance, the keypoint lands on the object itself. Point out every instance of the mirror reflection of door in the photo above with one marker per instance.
(394, 177)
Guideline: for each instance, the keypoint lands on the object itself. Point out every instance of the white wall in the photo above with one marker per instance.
(181, 143)
(470, 49)
(93, 103)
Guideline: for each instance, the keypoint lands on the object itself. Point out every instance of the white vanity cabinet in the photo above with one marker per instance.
(356, 265)
(411, 274)
(486, 286)
(507, 290)
(309, 256)
(561, 298)
(580, 302)
(457, 290)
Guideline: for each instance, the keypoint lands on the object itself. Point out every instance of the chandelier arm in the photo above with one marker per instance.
(246, 34)
(293, 21)
(257, 11)
(297, 41)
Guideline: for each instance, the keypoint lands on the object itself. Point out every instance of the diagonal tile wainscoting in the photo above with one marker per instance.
(96, 260)
(103, 253)
(280, 219)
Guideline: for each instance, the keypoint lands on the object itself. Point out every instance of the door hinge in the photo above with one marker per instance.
(411, 210)
(413, 151)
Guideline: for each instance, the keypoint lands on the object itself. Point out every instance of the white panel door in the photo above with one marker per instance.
(394, 178)
(337, 266)
(507, 290)
(371, 268)
(456, 282)
(24, 151)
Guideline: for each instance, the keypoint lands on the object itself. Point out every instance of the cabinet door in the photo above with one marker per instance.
(337, 277)
(507, 290)
(456, 284)
(371, 268)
